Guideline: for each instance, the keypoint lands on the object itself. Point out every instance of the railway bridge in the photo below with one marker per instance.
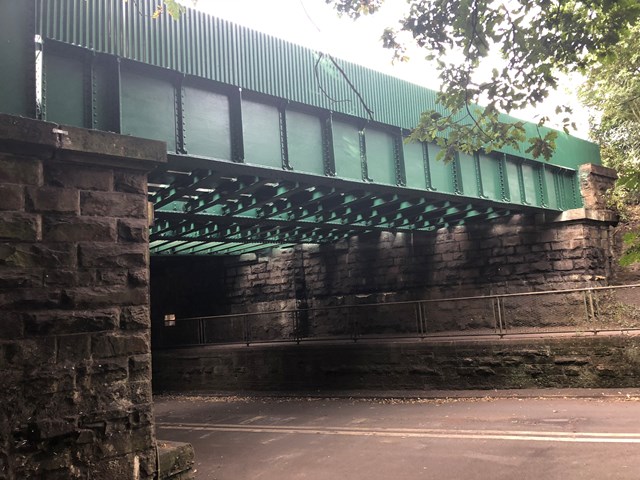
(258, 179)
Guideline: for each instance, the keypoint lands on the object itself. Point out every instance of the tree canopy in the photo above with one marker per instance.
(536, 40)
(613, 89)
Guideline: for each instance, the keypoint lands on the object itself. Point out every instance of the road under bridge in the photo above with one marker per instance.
(268, 195)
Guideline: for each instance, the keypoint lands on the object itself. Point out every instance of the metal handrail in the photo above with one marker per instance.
(353, 329)
(412, 302)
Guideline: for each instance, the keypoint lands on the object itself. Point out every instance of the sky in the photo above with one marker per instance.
(316, 25)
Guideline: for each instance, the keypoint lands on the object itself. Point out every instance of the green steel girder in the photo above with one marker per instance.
(278, 193)
(18, 68)
(256, 156)
(271, 211)
(295, 202)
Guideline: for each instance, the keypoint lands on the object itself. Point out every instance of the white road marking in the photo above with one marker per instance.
(251, 420)
(532, 436)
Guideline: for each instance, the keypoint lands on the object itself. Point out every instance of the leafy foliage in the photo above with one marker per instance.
(172, 7)
(613, 89)
(536, 39)
(632, 253)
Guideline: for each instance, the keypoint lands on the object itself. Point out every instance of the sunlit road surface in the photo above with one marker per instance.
(457, 438)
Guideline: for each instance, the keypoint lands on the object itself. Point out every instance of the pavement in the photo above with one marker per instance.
(512, 434)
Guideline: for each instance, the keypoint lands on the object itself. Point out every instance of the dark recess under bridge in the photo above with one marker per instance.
(259, 155)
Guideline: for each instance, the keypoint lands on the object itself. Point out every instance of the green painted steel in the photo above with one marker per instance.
(258, 154)
(17, 58)
(215, 49)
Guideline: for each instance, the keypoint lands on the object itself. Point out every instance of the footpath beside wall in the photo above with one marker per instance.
(75, 363)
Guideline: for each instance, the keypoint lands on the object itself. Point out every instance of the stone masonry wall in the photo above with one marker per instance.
(75, 362)
(560, 362)
(519, 254)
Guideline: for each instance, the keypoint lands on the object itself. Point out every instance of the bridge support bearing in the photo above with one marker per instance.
(595, 182)
(74, 291)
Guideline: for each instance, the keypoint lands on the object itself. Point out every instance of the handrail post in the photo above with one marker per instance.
(202, 338)
(247, 329)
(354, 327)
(418, 310)
(296, 326)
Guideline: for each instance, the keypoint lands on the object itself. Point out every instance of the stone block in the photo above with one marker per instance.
(125, 467)
(117, 345)
(52, 199)
(73, 349)
(54, 427)
(107, 255)
(11, 326)
(140, 368)
(563, 265)
(12, 197)
(111, 277)
(19, 278)
(571, 360)
(138, 278)
(57, 322)
(67, 278)
(80, 177)
(38, 255)
(78, 229)
(32, 298)
(113, 204)
(21, 227)
(105, 296)
(135, 318)
(130, 182)
(133, 230)
(107, 370)
(20, 170)
(175, 459)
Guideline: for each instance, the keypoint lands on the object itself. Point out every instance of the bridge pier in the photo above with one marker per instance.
(74, 290)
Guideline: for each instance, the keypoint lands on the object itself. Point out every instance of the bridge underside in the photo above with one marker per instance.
(223, 208)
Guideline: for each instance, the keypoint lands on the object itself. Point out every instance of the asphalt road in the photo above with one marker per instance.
(286, 438)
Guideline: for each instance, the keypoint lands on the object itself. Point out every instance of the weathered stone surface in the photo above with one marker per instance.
(112, 345)
(20, 170)
(110, 255)
(113, 204)
(52, 199)
(133, 231)
(104, 296)
(11, 326)
(79, 177)
(18, 278)
(70, 409)
(70, 321)
(593, 362)
(32, 298)
(176, 460)
(130, 182)
(135, 318)
(74, 348)
(21, 227)
(78, 229)
(37, 255)
(12, 197)
(595, 181)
